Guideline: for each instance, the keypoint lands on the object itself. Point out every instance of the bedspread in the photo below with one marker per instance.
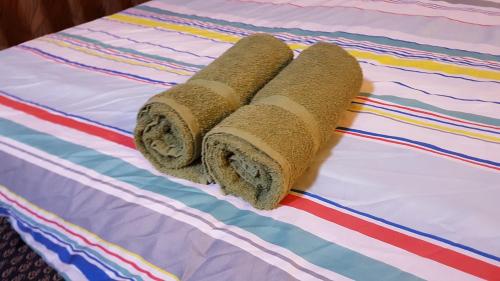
(408, 188)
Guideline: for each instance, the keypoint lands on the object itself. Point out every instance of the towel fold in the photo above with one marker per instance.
(171, 125)
(259, 151)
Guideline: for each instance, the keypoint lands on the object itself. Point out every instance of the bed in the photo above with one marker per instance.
(408, 188)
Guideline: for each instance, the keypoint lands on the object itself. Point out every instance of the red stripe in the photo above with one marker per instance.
(62, 120)
(411, 244)
(418, 147)
(428, 113)
(83, 238)
(420, 247)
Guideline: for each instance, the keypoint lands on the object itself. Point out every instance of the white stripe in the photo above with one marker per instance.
(83, 58)
(68, 248)
(456, 143)
(334, 233)
(167, 211)
(432, 241)
(80, 231)
(378, 80)
(217, 234)
(50, 257)
(215, 11)
(172, 39)
(410, 9)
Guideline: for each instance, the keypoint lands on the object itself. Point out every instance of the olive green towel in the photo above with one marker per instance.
(171, 125)
(259, 151)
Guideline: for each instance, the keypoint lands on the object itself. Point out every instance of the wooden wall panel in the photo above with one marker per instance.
(22, 20)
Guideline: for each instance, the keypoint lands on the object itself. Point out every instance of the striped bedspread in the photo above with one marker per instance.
(408, 188)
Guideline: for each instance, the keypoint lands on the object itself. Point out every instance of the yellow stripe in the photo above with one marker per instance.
(361, 108)
(46, 213)
(383, 59)
(177, 27)
(427, 65)
(117, 59)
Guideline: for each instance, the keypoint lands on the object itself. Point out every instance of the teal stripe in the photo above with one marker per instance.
(352, 36)
(305, 244)
(418, 104)
(73, 243)
(131, 51)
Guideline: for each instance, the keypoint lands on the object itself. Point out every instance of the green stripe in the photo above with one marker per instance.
(305, 244)
(63, 237)
(418, 104)
(337, 34)
(131, 51)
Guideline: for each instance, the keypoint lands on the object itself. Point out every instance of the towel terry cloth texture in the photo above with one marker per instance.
(260, 150)
(171, 125)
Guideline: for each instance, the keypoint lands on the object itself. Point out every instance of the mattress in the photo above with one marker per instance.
(408, 188)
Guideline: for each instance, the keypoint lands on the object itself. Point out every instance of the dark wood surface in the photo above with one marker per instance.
(22, 20)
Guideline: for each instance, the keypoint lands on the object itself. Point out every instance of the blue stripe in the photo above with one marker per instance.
(433, 73)
(89, 270)
(4, 212)
(427, 118)
(440, 95)
(74, 246)
(130, 133)
(398, 53)
(168, 31)
(423, 144)
(95, 68)
(122, 54)
(352, 36)
(402, 53)
(296, 51)
(418, 232)
(144, 42)
(422, 126)
(189, 66)
(481, 119)
(305, 244)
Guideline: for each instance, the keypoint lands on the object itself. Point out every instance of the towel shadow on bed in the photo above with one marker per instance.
(309, 177)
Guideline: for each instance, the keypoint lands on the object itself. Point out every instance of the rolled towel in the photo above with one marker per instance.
(259, 151)
(171, 125)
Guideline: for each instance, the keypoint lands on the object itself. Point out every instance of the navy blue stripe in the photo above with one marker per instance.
(398, 53)
(440, 95)
(435, 73)
(352, 36)
(422, 126)
(89, 270)
(418, 232)
(143, 42)
(95, 68)
(313, 195)
(178, 64)
(428, 118)
(46, 233)
(423, 144)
